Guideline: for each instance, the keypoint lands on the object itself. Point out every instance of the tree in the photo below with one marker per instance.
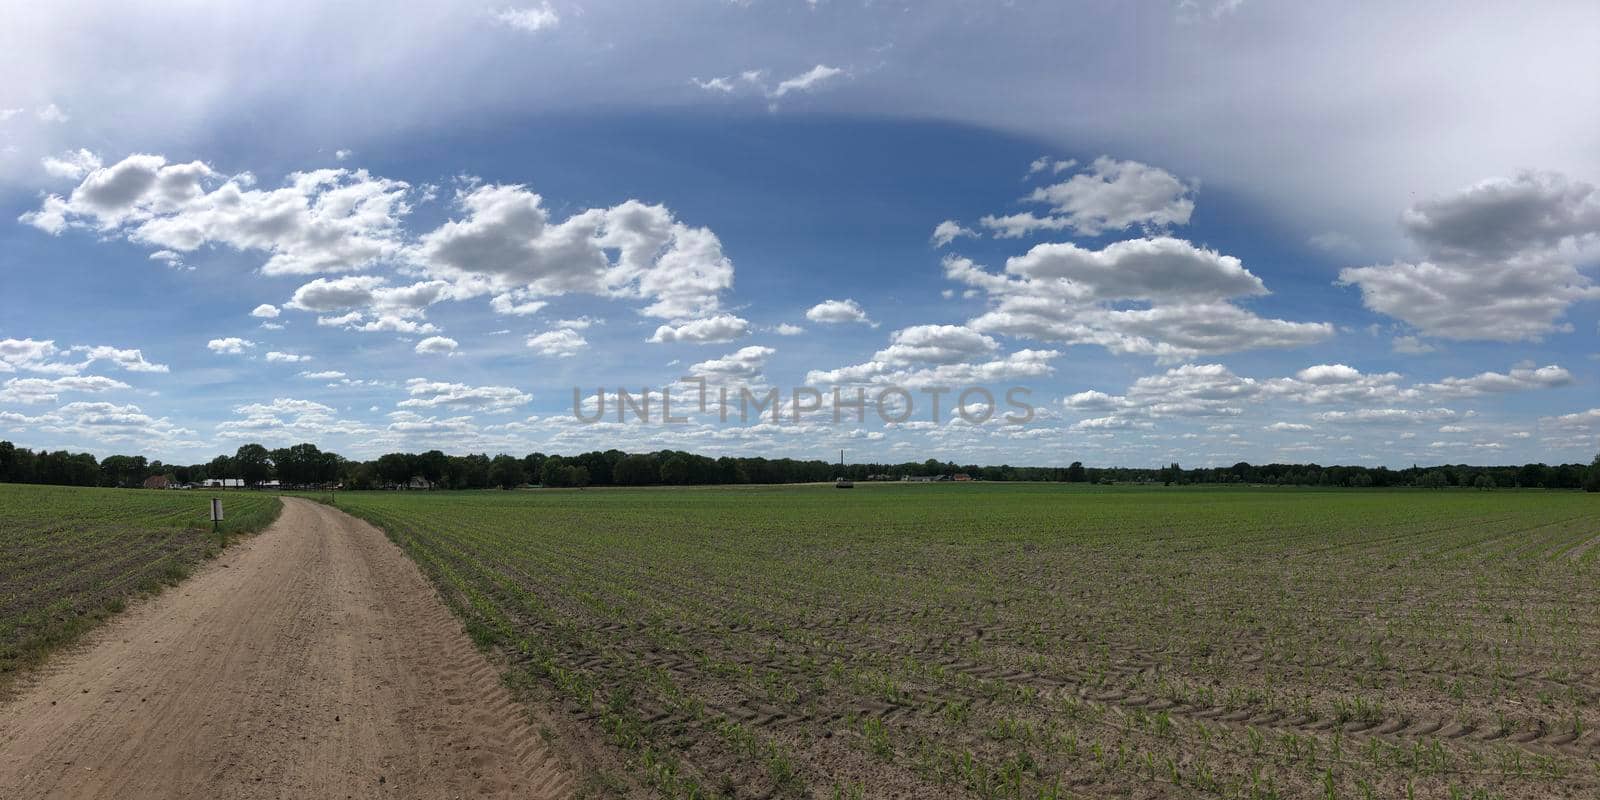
(1075, 473)
(1591, 481)
(1483, 481)
(635, 470)
(675, 471)
(506, 472)
(221, 468)
(396, 468)
(254, 463)
(1433, 479)
(432, 465)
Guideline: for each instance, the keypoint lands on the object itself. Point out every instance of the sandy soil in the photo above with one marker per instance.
(313, 660)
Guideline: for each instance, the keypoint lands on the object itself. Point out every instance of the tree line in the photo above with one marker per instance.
(306, 465)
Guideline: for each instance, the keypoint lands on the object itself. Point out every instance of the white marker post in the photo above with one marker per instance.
(216, 515)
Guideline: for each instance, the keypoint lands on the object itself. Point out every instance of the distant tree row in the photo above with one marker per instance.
(306, 465)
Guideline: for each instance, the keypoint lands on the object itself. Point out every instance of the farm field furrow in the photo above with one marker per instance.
(72, 556)
(1038, 640)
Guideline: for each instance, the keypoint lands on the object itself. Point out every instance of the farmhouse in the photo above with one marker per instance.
(158, 482)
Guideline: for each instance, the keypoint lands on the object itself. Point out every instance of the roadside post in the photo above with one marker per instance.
(216, 515)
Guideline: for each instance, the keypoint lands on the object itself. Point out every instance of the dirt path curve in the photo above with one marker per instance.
(311, 661)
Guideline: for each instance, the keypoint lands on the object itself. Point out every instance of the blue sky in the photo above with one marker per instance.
(1203, 232)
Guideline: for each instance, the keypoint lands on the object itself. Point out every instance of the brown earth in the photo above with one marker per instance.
(313, 660)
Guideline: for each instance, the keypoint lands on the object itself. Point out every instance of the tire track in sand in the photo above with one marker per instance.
(312, 660)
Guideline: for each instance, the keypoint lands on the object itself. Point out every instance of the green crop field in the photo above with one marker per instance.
(71, 556)
(1037, 641)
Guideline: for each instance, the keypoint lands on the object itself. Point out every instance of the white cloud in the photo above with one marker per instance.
(232, 345)
(833, 312)
(286, 358)
(1067, 294)
(808, 80)
(1288, 427)
(436, 345)
(287, 419)
(713, 330)
(34, 355)
(508, 244)
(578, 324)
(1517, 380)
(924, 355)
(532, 19)
(559, 343)
(1499, 260)
(786, 329)
(327, 220)
(324, 375)
(265, 311)
(1110, 195)
(48, 390)
(71, 165)
(51, 113)
(105, 422)
(755, 81)
(341, 155)
(742, 365)
(432, 394)
(948, 231)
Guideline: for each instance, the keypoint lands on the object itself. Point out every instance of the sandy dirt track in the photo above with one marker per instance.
(311, 661)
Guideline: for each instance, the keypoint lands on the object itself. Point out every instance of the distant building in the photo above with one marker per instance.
(157, 482)
(962, 476)
(419, 482)
(223, 483)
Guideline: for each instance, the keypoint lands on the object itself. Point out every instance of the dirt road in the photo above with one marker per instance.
(312, 661)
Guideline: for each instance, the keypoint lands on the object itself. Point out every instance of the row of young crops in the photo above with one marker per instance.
(69, 556)
(1039, 641)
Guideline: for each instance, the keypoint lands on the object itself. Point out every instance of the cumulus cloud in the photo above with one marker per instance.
(324, 375)
(925, 355)
(558, 343)
(48, 390)
(329, 220)
(71, 165)
(287, 419)
(34, 355)
(436, 345)
(1109, 195)
(104, 422)
(786, 329)
(712, 330)
(1519, 379)
(833, 312)
(265, 311)
(231, 345)
(1071, 295)
(508, 244)
(434, 394)
(286, 358)
(948, 231)
(742, 365)
(1499, 260)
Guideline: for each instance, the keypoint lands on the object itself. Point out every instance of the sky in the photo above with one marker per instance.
(1201, 231)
